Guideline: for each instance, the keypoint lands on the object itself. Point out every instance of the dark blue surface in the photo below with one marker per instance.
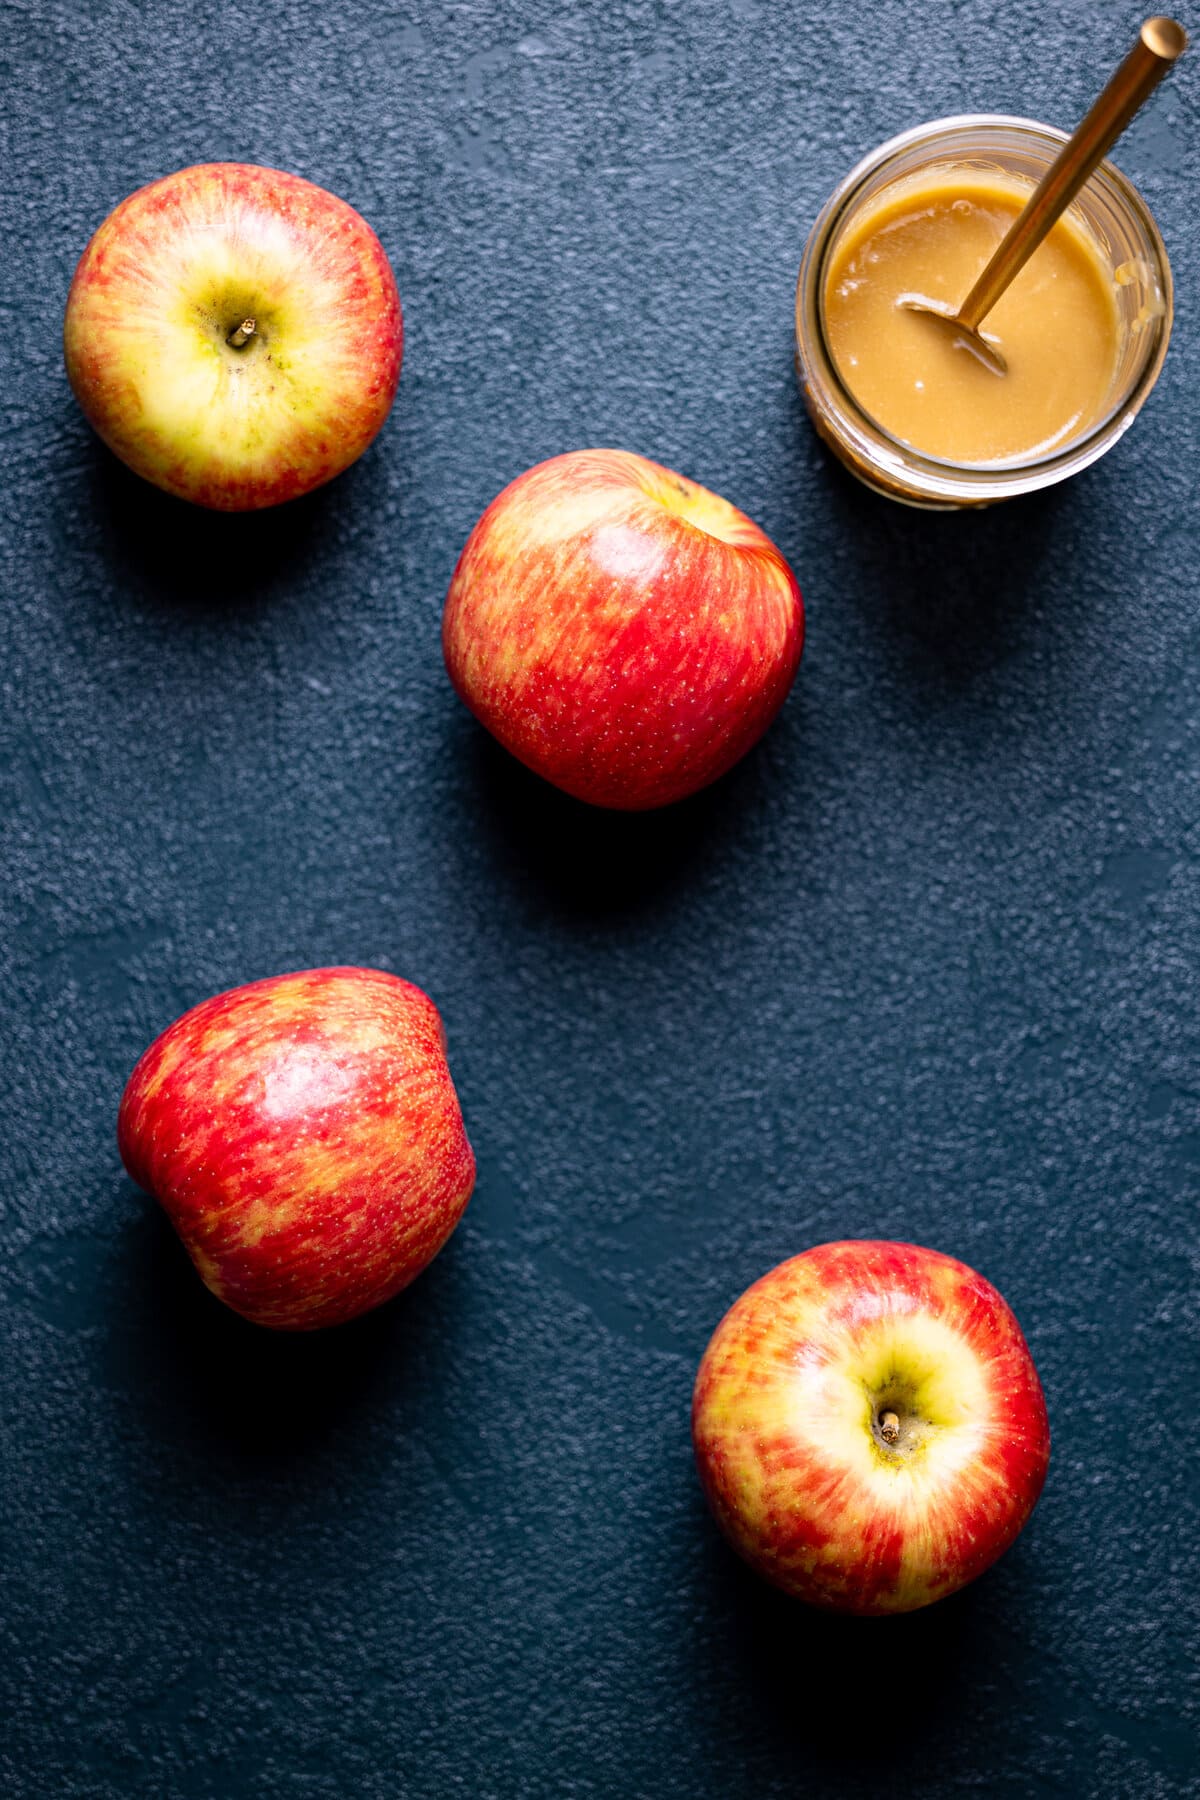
(926, 965)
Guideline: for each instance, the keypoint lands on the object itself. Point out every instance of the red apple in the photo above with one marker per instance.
(304, 1136)
(625, 633)
(869, 1426)
(234, 334)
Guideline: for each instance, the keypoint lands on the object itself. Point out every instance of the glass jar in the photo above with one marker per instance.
(1117, 219)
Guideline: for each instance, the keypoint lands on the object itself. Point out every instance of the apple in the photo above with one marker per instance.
(234, 334)
(869, 1427)
(304, 1136)
(621, 630)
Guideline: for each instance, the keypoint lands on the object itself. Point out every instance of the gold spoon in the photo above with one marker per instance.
(1160, 43)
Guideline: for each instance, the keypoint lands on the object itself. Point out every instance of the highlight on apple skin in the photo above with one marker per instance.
(622, 631)
(234, 335)
(869, 1427)
(304, 1137)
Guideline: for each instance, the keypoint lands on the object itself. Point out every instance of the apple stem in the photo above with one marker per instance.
(889, 1427)
(241, 334)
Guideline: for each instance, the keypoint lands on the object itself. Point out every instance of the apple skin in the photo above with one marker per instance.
(622, 631)
(785, 1424)
(304, 1136)
(171, 272)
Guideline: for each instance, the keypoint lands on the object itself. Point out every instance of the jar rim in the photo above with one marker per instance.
(942, 479)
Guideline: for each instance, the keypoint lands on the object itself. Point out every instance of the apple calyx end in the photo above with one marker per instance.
(241, 334)
(889, 1427)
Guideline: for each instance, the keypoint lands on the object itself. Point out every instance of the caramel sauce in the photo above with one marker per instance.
(1057, 325)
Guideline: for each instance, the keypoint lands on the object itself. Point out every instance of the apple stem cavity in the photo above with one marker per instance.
(241, 334)
(889, 1427)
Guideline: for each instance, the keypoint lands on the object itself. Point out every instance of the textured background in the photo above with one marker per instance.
(926, 965)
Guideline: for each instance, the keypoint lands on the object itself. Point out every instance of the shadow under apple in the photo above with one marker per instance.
(231, 1395)
(170, 553)
(591, 865)
(833, 1692)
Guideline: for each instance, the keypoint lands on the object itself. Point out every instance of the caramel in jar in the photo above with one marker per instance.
(1057, 325)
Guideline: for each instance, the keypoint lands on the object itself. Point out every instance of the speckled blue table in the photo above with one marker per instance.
(926, 965)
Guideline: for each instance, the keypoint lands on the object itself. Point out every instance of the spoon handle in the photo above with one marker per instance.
(1160, 42)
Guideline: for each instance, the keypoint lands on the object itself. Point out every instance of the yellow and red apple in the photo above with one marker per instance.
(304, 1136)
(234, 334)
(869, 1426)
(622, 631)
